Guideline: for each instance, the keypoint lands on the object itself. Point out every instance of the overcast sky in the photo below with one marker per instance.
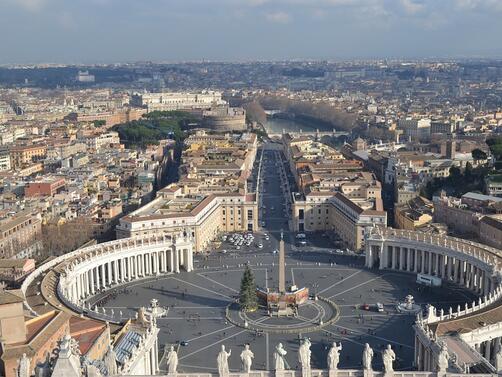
(95, 31)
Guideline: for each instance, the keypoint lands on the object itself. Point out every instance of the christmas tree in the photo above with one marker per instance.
(247, 297)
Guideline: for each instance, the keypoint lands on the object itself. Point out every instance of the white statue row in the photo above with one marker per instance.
(304, 356)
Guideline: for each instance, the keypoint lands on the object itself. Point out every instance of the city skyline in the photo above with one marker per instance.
(107, 31)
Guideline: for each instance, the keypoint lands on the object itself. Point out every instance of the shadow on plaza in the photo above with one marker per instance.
(182, 296)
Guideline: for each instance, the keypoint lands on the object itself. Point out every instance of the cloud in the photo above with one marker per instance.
(29, 5)
(486, 5)
(67, 21)
(410, 7)
(278, 17)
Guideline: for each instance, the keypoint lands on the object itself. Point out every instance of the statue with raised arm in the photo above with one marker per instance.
(444, 357)
(23, 370)
(334, 356)
(304, 354)
(222, 361)
(388, 357)
(279, 357)
(172, 361)
(247, 359)
(367, 357)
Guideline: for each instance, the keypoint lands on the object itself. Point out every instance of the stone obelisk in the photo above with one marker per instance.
(282, 266)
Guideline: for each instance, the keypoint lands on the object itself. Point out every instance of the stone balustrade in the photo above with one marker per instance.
(91, 270)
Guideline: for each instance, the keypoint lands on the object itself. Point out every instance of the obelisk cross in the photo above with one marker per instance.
(282, 266)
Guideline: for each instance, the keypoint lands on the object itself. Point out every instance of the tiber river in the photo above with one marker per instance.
(276, 125)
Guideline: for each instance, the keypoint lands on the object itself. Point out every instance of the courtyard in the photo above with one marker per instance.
(197, 325)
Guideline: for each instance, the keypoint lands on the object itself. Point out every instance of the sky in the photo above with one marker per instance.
(117, 31)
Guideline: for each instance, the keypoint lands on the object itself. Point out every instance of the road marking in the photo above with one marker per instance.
(373, 336)
(185, 318)
(267, 349)
(339, 282)
(219, 341)
(360, 285)
(224, 270)
(204, 289)
(197, 307)
(340, 336)
(211, 333)
(215, 282)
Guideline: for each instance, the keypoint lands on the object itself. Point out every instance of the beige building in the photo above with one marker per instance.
(351, 221)
(335, 212)
(457, 216)
(202, 217)
(19, 234)
(26, 154)
(414, 214)
(490, 231)
(217, 163)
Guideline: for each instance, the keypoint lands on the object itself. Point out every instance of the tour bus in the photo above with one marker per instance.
(430, 281)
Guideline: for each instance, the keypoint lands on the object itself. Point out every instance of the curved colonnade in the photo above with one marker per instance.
(88, 271)
(91, 270)
(472, 332)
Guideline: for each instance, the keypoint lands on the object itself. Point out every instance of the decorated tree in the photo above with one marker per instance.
(247, 296)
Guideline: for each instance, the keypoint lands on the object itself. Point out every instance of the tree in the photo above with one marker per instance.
(247, 296)
(478, 154)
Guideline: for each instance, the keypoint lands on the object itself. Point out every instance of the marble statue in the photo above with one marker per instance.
(111, 361)
(279, 357)
(222, 361)
(388, 357)
(367, 357)
(443, 358)
(23, 370)
(304, 354)
(334, 356)
(92, 371)
(247, 359)
(141, 316)
(172, 361)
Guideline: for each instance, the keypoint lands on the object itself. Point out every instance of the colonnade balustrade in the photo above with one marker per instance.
(471, 265)
(474, 266)
(88, 271)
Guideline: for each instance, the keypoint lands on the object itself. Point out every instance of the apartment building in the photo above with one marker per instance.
(490, 231)
(22, 155)
(19, 234)
(473, 215)
(415, 129)
(4, 160)
(414, 214)
(45, 187)
(350, 220)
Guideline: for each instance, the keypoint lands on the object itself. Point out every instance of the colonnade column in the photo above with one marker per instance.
(449, 271)
(109, 267)
(164, 261)
(422, 254)
(93, 287)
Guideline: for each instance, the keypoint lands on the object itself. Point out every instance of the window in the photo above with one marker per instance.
(250, 214)
(301, 214)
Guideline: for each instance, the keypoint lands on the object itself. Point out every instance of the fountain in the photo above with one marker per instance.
(408, 306)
